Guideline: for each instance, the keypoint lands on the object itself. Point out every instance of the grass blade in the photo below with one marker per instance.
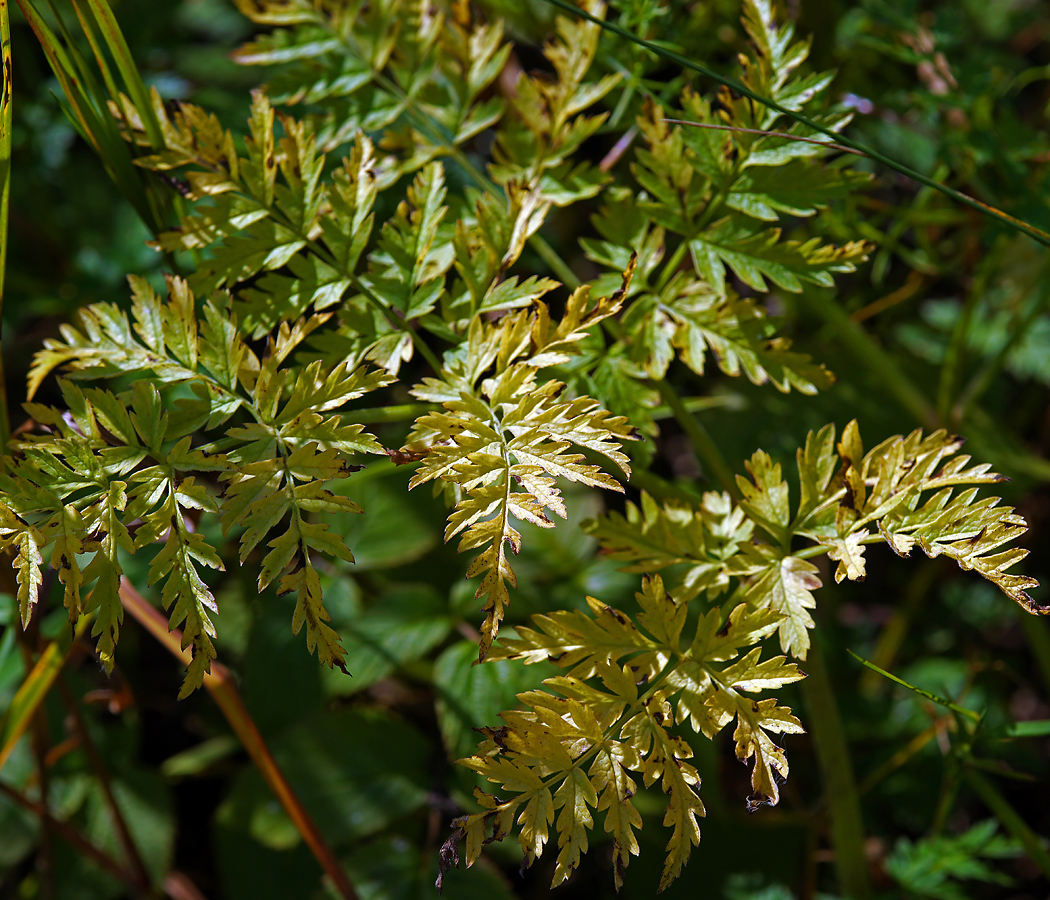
(6, 113)
(947, 704)
(133, 83)
(85, 101)
(1034, 845)
(36, 687)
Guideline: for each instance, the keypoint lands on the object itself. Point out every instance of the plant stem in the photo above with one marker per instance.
(860, 343)
(1012, 822)
(71, 836)
(138, 868)
(706, 448)
(220, 684)
(840, 788)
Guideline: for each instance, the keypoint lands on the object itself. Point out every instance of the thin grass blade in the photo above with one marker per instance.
(133, 83)
(36, 687)
(940, 701)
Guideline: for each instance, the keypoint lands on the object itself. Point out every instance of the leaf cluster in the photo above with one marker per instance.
(574, 747)
(908, 492)
(378, 231)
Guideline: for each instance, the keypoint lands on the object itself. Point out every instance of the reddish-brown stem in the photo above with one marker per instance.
(138, 867)
(220, 684)
(71, 836)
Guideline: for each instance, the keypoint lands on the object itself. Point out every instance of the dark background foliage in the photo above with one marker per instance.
(946, 325)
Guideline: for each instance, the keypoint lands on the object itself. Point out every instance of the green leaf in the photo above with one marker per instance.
(403, 625)
(504, 444)
(755, 253)
(410, 262)
(471, 696)
(933, 867)
(787, 587)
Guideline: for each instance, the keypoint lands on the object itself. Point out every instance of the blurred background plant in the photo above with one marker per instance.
(118, 789)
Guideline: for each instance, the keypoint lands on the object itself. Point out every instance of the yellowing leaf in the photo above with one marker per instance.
(848, 551)
(787, 587)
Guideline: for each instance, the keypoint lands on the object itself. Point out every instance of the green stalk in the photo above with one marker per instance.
(840, 787)
(706, 448)
(6, 110)
(1041, 236)
(1038, 636)
(401, 412)
(860, 343)
(1033, 844)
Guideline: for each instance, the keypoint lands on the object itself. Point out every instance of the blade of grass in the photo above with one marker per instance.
(220, 685)
(985, 209)
(940, 701)
(1033, 728)
(96, 50)
(35, 688)
(85, 102)
(6, 113)
(781, 134)
(129, 72)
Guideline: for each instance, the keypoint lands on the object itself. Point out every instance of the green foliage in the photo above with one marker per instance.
(846, 502)
(934, 866)
(380, 232)
(69, 487)
(574, 747)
